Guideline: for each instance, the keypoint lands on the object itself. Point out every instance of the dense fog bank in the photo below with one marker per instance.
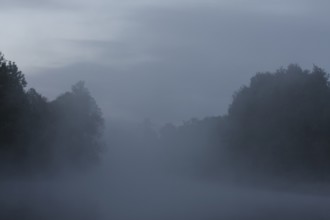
(135, 186)
(267, 158)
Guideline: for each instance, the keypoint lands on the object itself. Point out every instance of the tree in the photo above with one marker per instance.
(281, 121)
(12, 112)
(30, 126)
(78, 126)
(37, 125)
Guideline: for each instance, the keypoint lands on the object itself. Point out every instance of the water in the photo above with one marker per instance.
(133, 187)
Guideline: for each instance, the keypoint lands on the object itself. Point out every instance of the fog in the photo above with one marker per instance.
(137, 180)
(177, 110)
(130, 191)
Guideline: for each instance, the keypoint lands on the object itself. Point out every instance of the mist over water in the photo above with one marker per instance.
(259, 161)
(167, 117)
(136, 182)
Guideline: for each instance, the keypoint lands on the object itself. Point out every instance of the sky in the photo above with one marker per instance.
(168, 61)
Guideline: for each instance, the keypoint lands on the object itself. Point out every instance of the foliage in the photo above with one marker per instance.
(278, 124)
(36, 134)
(281, 121)
(78, 125)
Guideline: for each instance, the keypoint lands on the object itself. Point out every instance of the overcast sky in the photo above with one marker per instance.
(164, 60)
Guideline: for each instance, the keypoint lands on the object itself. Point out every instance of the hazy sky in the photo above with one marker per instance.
(166, 60)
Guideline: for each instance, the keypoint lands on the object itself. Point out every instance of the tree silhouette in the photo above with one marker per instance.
(281, 121)
(36, 134)
(12, 112)
(79, 125)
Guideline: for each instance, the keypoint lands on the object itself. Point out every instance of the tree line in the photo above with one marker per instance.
(278, 124)
(41, 135)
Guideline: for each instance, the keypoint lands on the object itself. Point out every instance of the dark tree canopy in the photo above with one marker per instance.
(278, 124)
(281, 121)
(13, 102)
(79, 125)
(38, 135)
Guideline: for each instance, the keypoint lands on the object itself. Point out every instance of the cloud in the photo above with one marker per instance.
(171, 63)
(6, 4)
(40, 37)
